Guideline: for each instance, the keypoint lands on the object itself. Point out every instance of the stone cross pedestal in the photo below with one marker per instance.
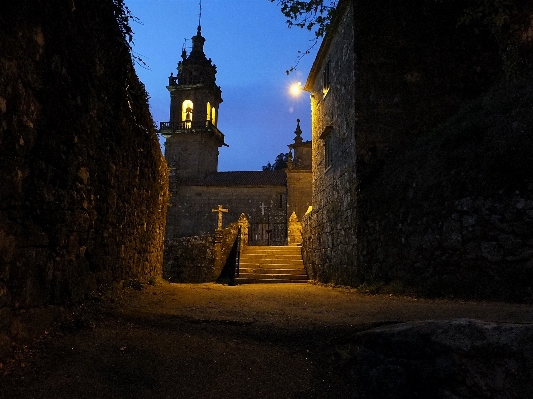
(220, 210)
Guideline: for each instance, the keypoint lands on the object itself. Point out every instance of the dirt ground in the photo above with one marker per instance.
(215, 341)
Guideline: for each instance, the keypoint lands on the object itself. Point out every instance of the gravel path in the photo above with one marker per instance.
(214, 341)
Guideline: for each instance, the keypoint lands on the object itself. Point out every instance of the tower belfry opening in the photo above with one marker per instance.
(192, 135)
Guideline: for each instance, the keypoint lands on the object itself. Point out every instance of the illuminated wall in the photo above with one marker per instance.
(330, 238)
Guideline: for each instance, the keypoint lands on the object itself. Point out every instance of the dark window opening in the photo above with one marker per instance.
(327, 138)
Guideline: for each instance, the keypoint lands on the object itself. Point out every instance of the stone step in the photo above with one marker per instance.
(272, 249)
(269, 265)
(266, 253)
(256, 270)
(271, 261)
(279, 259)
(270, 253)
(242, 280)
(263, 276)
(271, 268)
(254, 258)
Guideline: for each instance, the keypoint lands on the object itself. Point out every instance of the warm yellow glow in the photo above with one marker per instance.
(208, 111)
(213, 116)
(186, 110)
(296, 89)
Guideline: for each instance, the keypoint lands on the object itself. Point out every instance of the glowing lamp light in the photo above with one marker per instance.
(296, 89)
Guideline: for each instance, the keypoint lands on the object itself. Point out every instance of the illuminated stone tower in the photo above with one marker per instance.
(192, 136)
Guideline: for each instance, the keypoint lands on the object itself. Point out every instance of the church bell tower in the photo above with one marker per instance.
(192, 136)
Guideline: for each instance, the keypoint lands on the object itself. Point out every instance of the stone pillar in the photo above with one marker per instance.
(243, 223)
(294, 230)
(219, 259)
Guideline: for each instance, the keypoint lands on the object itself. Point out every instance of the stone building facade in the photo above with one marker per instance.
(262, 196)
(420, 153)
(332, 224)
(267, 198)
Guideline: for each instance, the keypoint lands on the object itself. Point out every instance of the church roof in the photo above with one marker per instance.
(253, 178)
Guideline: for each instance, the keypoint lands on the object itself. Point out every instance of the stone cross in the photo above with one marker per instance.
(262, 208)
(220, 210)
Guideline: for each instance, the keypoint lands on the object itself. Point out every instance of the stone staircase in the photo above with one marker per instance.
(272, 264)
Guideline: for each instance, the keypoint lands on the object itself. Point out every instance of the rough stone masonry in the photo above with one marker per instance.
(83, 185)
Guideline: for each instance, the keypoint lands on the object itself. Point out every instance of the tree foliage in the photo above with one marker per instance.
(312, 14)
(510, 22)
(279, 164)
(123, 15)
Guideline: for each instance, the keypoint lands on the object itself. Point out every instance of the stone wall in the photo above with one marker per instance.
(299, 192)
(191, 207)
(429, 191)
(198, 259)
(330, 229)
(191, 155)
(445, 186)
(83, 185)
(456, 218)
(190, 259)
(417, 62)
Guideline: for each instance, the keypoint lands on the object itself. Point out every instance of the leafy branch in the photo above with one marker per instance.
(123, 15)
(301, 55)
(312, 14)
(309, 14)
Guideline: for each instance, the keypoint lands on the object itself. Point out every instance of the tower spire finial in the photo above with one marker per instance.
(200, 18)
(298, 132)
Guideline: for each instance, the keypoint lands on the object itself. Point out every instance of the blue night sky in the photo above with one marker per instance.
(252, 47)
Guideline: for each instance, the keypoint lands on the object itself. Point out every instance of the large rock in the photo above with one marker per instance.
(441, 359)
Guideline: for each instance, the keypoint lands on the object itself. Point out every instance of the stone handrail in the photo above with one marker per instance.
(184, 125)
(169, 128)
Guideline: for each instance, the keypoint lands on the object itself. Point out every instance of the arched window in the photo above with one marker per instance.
(186, 113)
(208, 111)
(213, 120)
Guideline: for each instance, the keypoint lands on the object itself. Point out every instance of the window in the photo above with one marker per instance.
(326, 78)
(208, 111)
(213, 115)
(327, 139)
(186, 113)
